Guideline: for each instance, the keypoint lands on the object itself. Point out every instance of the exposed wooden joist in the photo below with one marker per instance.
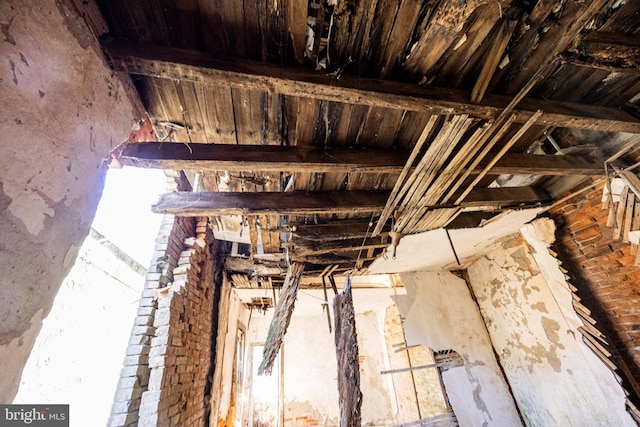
(320, 248)
(336, 230)
(533, 164)
(180, 64)
(277, 158)
(260, 158)
(247, 266)
(321, 202)
(504, 196)
(292, 203)
(329, 259)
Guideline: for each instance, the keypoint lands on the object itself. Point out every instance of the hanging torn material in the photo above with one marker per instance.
(281, 317)
(350, 397)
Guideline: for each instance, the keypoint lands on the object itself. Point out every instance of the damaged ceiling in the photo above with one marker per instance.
(310, 130)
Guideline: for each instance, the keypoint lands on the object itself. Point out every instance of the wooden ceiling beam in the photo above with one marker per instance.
(321, 202)
(335, 230)
(200, 67)
(503, 196)
(349, 245)
(268, 158)
(274, 158)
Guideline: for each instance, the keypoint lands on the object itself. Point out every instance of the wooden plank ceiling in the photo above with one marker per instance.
(314, 128)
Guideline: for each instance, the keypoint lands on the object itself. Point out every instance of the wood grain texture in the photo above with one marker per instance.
(194, 66)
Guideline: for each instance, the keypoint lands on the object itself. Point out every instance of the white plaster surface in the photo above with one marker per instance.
(441, 314)
(539, 235)
(536, 339)
(432, 251)
(61, 112)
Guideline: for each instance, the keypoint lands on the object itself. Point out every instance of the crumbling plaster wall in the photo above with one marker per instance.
(526, 305)
(62, 111)
(440, 313)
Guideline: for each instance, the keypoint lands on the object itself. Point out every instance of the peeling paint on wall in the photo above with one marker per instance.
(59, 119)
(551, 381)
(441, 314)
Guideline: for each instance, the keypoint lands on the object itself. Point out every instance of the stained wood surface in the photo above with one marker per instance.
(185, 65)
(281, 317)
(346, 341)
(322, 202)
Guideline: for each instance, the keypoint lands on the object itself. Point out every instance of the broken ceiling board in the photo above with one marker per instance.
(346, 340)
(492, 58)
(469, 45)
(281, 317)
(179, 64)
(440, 34)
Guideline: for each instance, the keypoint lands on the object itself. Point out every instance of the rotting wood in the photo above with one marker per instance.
(302, 247)
(179, 64)
(427, 170)
(494, 56)
(607, 48)
(335, 230)
(281, 317)
(346, 341)
(246, 266)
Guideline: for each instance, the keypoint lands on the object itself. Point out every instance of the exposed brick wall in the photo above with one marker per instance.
(134, 377)
(604, 272)
(180, 349)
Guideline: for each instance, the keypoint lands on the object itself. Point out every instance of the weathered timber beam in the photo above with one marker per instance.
(281, 317)
(292, 203)
(533, 164)
(328, 259)
(199, 67)
(260, 158)
(348, 245)
(245, 265)
(335, 230)
(216, 157)
(321, 202)
(504, 196)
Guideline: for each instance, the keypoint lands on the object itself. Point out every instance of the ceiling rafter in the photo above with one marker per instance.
(200, 67)
(322, 202)
(271, 158)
